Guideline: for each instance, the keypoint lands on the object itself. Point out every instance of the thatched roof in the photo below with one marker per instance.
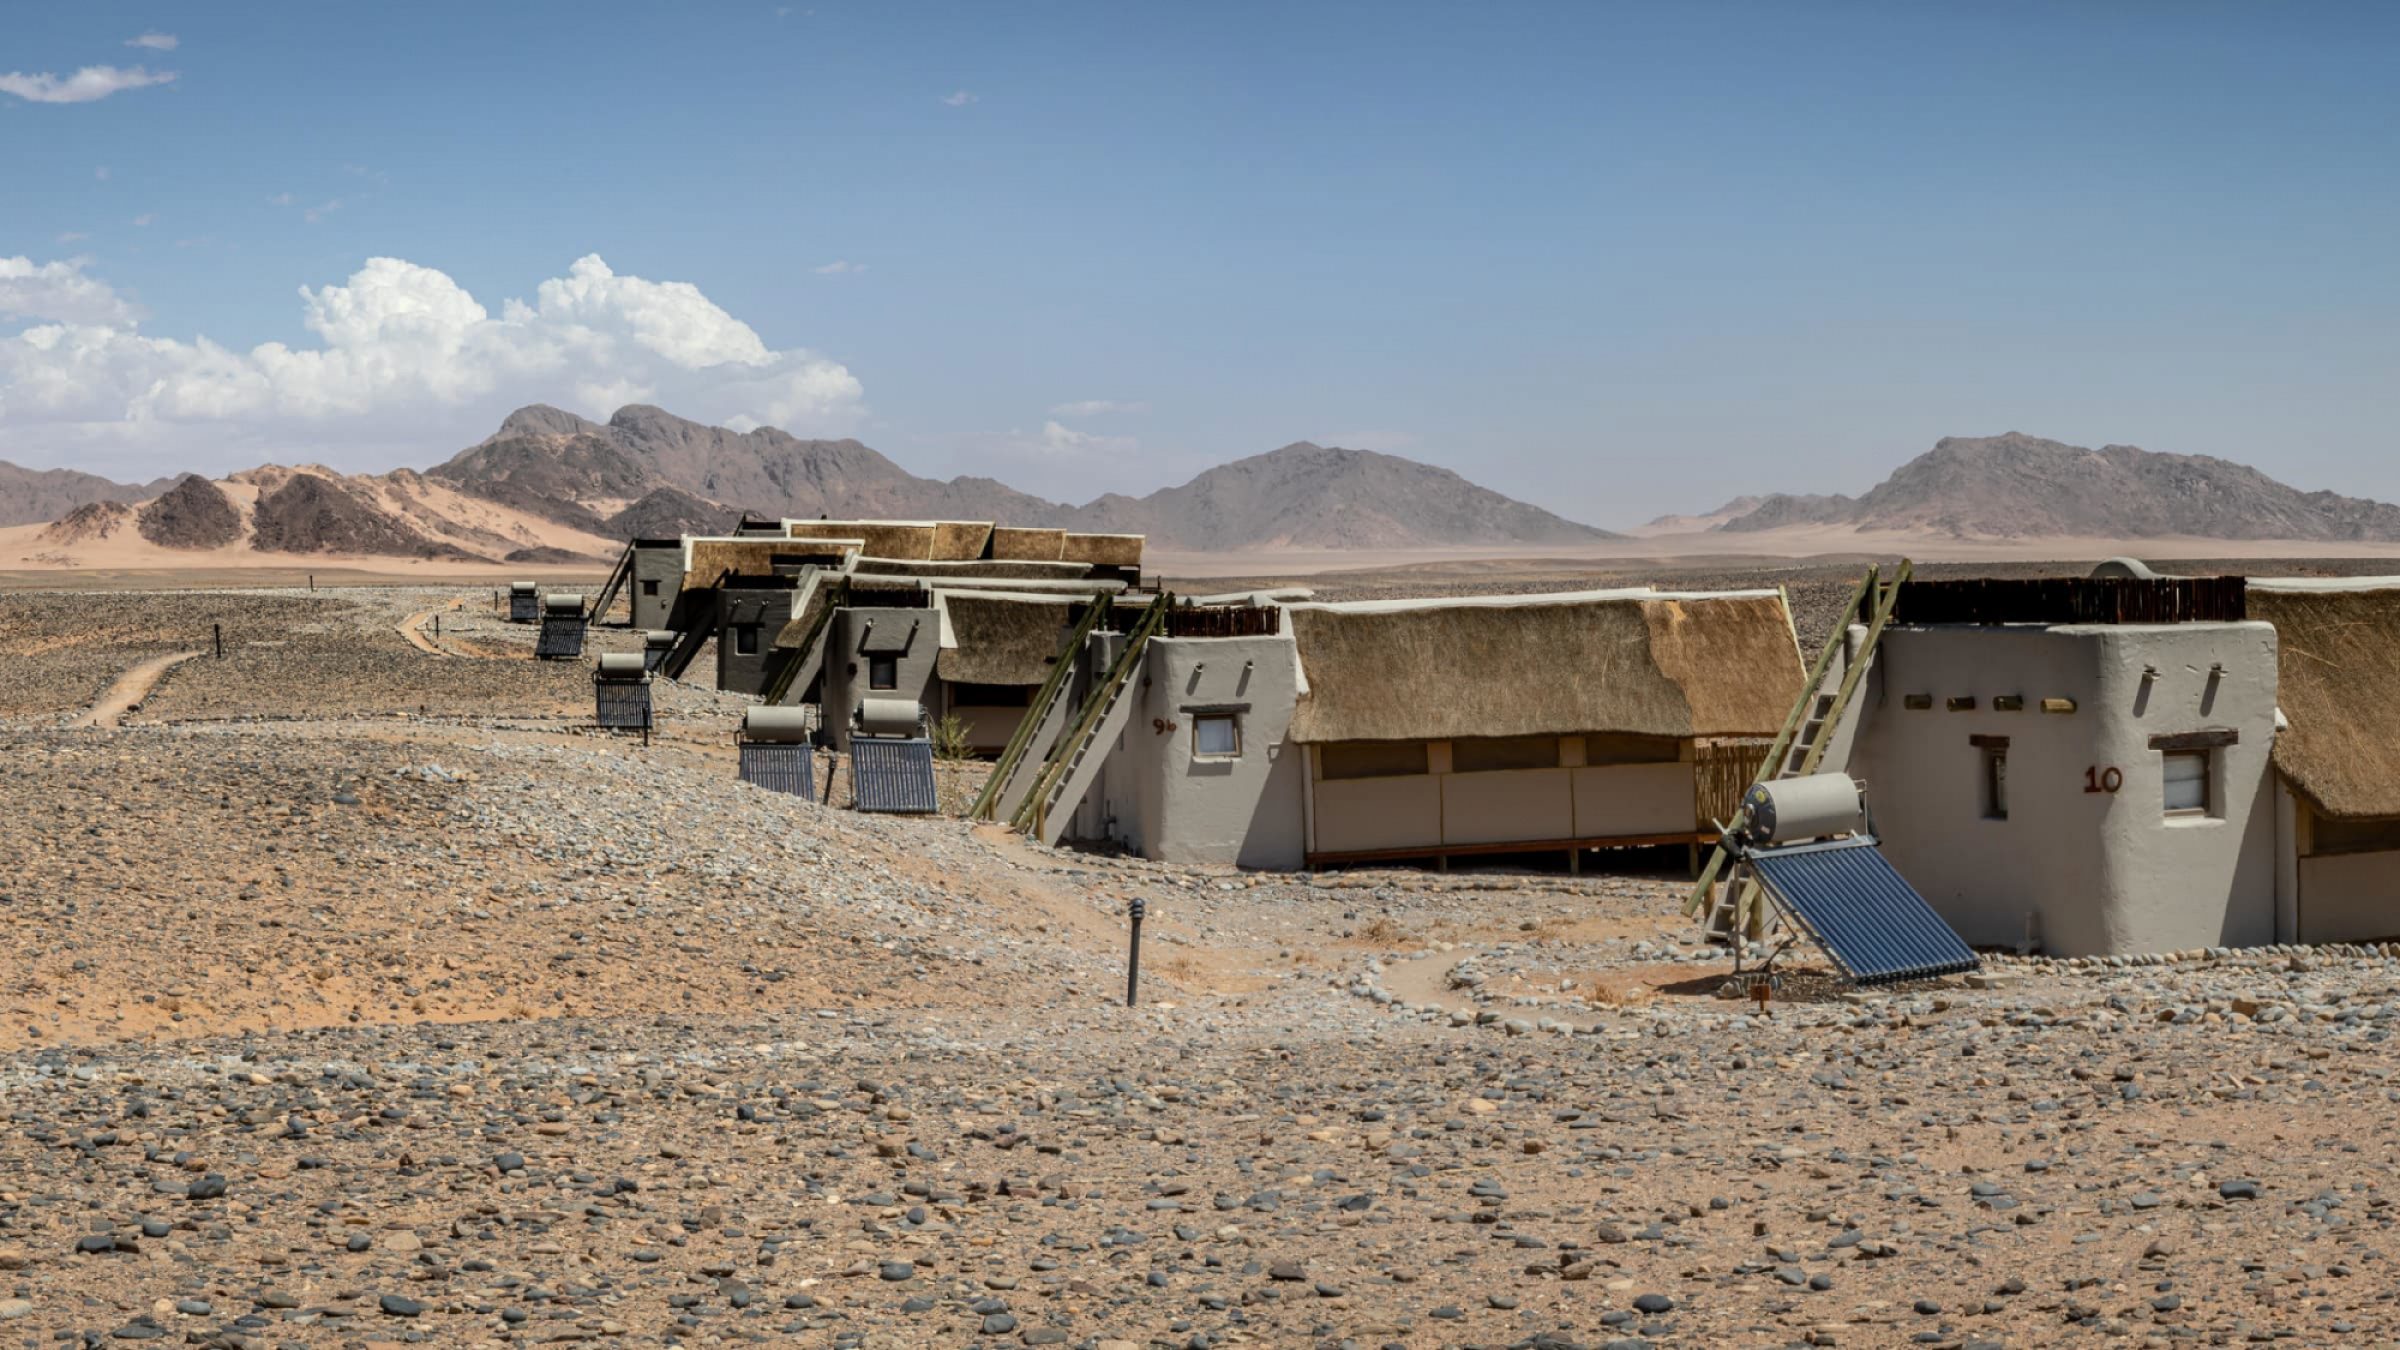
(2338, 683)
(1647, 664)
(883, 538)
(974, 571)
(1027, 543)
(992, 639)
(960, 540)
(1106, 550)
(707, 559)
(1033, 544)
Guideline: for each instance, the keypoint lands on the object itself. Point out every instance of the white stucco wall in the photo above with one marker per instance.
(2100, 872)
(1162, 800)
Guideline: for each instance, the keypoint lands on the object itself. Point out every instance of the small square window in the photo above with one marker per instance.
(745, 639)
(883, 672)
(650, 586)
(1995, 785)
(2186, 777)
(1498, 754)
(1371, 759)
(1217, 735)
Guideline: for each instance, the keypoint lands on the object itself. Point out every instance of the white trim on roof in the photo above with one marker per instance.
(1281, 595)
(2324, 584)
(1539, 598)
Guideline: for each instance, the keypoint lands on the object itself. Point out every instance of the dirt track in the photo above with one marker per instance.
(129, 689)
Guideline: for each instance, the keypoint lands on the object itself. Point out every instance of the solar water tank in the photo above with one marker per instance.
(621, 692)
(1783, 810)
(777, 751)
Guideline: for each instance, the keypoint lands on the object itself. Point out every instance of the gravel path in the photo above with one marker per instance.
(351, 996)
(128, 690)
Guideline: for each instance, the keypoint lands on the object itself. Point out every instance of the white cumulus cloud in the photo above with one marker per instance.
(85, 85)
(961, 98)
(59, 291)
(1059, 439)
(155, 41)
(1094, 407)
(402, 358)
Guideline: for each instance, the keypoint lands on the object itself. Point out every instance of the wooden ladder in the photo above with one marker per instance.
(1799, 749)
(1067, 753)
(688, 643)
(608, 593)
(987, 802)
(837, 595)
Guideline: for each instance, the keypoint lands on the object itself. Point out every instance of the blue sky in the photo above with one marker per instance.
(1618, 259)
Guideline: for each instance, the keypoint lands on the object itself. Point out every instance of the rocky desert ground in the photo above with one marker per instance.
(357, 993)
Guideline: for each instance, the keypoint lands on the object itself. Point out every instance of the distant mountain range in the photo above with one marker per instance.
(1301, 496)
(30, 495)
(551, 485)
(2016, 486)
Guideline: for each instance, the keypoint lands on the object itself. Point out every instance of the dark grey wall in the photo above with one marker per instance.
(664, 567)
(846, 667)
(763, 613)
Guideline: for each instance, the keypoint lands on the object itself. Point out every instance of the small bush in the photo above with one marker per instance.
(950, 739)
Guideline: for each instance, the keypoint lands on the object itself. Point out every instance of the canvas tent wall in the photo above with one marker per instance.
(2338, 759)
(1520, 723)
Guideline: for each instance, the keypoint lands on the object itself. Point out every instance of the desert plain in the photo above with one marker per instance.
(358, 993)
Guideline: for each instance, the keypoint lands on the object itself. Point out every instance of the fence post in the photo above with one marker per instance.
(1137, 908)
(219, 630)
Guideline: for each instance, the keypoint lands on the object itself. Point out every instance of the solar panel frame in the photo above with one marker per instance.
(892, 775)
(781, 766)
(621, 705)
(1860, 909)
(561, 638)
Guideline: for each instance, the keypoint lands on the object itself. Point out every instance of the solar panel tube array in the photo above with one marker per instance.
(781, 767)
(893, 776)
(1865, 915)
